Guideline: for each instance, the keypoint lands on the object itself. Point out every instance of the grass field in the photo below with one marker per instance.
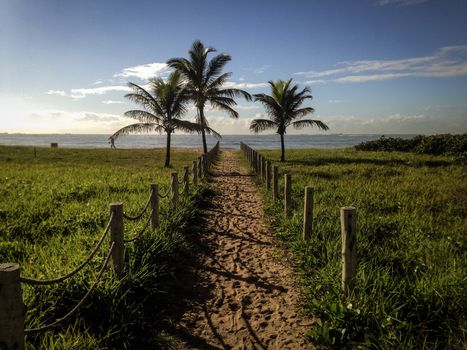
(54, 205)
(411, 232)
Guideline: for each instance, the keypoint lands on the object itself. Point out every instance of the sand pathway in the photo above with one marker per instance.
(244, 296)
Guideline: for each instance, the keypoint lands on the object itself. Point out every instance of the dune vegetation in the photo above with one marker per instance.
(53, 209)
(411, 224)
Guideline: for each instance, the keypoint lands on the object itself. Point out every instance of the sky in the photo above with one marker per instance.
(373, 66)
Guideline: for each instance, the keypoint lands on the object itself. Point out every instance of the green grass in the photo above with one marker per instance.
(411, 231)
(54, 205)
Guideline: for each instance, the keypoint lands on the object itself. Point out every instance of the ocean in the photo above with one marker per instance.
(188, 141)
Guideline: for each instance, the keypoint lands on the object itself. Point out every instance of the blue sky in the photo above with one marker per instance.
(374, 66)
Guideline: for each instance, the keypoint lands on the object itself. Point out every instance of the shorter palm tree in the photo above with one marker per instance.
(162, 110)
(283, 107)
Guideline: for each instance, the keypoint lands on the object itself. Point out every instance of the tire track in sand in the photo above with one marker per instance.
(244, 297)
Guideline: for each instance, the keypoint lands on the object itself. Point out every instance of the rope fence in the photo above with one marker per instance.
(268, 174)
(137, 217)
(12, 308)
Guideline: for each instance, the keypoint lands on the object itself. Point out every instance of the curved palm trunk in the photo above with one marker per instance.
(167, 151)
(203, 134)
(282, 148)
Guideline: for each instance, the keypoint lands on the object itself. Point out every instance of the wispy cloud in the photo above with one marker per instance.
(81, 93)
(231, 84)
(112, 102)
(335, 101)
(449, 61)
(259, 70)
(144, 71)
(56, 92)
(401, 2)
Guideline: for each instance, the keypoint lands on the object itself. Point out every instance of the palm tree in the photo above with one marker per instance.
(205, 80)
(283, 107)
(162, 110)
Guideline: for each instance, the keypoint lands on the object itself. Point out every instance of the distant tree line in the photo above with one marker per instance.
(443, 144)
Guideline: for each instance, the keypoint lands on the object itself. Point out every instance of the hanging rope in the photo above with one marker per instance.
(133, 218)
(72, 311)
(33, 281)
(141, 232)
(164, 195)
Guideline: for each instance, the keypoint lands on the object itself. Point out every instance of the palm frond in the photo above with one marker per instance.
(300, 113)
(137, 128)
(300, 124)
(143, 116)
(216, 64)
(225, 107)
(258, 125)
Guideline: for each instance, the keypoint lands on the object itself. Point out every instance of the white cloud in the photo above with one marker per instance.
(56, 92)
(98, 82)
(144, 71)
(111, 102)
(449, 61)
(259, 70)
(335, 101)
(65, 121)
(231, 84)
(81, 93)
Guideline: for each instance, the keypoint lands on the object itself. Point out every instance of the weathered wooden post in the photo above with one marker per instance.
(258, 163)
(154, 206)
(308, 213)
(349, 248)
(186, 180)
(287, 194)
(205, 166)
(275, 182)
(264, 169)
(200, 168)
(174, 189)
(260, 172)
(255, 162)
(194, 173)
(12, 309)
(116, 236)
(268, 175)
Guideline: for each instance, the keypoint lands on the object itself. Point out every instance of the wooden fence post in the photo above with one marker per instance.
(268, 175)
(194, 173)
(200, 168)
(174, 189)
(287, 194)
(308, 213)
(349, 248)
(12, 309)
(260, 173)
(275, 182)
(186, 180)
(155, 206)
(205, 166)
(116, 236)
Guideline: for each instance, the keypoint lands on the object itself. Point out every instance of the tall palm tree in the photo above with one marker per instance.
(283, 107)
(205, 82)
(162, 110)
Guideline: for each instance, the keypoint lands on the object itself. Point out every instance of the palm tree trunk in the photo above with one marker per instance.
(282, 148)
(203, 134)
(167, 151)
(205, 146)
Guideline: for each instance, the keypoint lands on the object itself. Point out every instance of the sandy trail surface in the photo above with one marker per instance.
(244, 297)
